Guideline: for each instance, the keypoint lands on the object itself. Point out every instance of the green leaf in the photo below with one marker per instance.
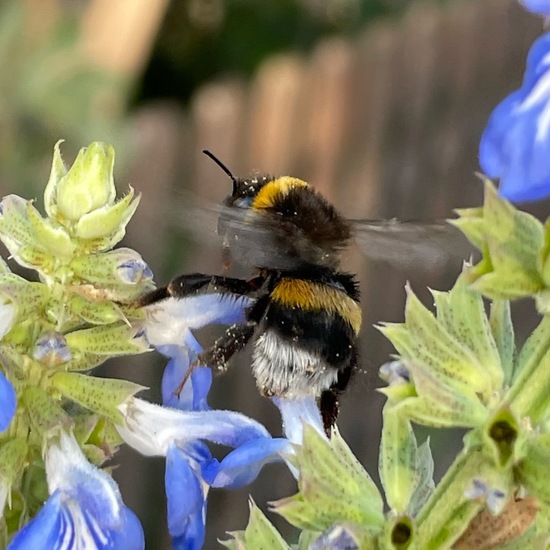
(502, 329)
(44, 412)
(530, 394)
(450, 359)
(467, 321)
(425, 484)
(13, 456)
(398, 459)
(333, 487)
(532, 471)
(258, 535)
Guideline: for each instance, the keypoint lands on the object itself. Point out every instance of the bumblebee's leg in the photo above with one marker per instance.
(193, 283)
(329, 401)
(233, 340)
(186, 285)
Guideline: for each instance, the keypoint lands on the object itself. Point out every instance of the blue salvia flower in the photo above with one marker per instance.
(515, 146)
(8, 400)
(539, 7)
(190, 468)
(85, 509)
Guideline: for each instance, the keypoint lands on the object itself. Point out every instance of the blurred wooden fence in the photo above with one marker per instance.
(385, 125)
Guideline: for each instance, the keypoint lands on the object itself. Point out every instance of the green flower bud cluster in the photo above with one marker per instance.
(515, 249)
(78, 314)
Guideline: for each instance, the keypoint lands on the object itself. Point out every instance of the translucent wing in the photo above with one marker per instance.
(411, 245)
(424, 245)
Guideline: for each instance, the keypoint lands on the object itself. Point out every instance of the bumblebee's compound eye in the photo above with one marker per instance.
(243, 202)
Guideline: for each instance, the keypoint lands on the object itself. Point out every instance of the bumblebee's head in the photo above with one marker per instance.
(279, 223)
(244, 190)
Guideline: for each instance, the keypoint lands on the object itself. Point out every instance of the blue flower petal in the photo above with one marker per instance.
(45, 529)
(186, 501)
(130, 536)
(55, 527)
(8, 402)
(193, 395)
(241, 466)
(296, 412)
(515, 146)
(539, 7)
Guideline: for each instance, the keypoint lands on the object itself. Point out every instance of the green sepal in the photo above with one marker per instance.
(448, 511)
(533, 350)
(398, 459)
(305, 539)
(510, 241)
(259, 534)
(333, 486)
(13, 459)
(95, 313)
(530, 395)
(4, 269)
(544, 255)
(16, 231)
(108, 224)
(52, 240)
(398, 392)
(84, 426)
(44, 412)
(100, 395)
(441, 405)
(103, 269)
(425, 483)
(114, 339)
(500, 321)
(532, 471)
(500, 437)
(28, 298)
(542, 301)
(470, 222)
(398, 533)
(427, 341)
(88, 185)
(106, 436)
(58, 170)
(507, 285)
(83, 361)
(462, 313)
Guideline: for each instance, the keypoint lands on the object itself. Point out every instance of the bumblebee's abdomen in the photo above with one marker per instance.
(308, 337)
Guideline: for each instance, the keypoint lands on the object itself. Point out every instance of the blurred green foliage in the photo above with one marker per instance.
(203, 38)
(48, 91)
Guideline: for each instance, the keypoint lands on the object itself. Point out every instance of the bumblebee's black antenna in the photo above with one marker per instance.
(223, 167)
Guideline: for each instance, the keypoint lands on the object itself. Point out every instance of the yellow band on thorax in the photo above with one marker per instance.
(312, 296)
(273, 191)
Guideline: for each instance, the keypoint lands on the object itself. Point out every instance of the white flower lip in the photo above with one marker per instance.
(295, 413)
(169, 320)
(67, 467)
(151, 429)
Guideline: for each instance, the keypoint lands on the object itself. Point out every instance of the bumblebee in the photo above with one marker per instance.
(305, 315)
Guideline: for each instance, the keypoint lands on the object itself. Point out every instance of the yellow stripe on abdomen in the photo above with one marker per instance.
(311, 296)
